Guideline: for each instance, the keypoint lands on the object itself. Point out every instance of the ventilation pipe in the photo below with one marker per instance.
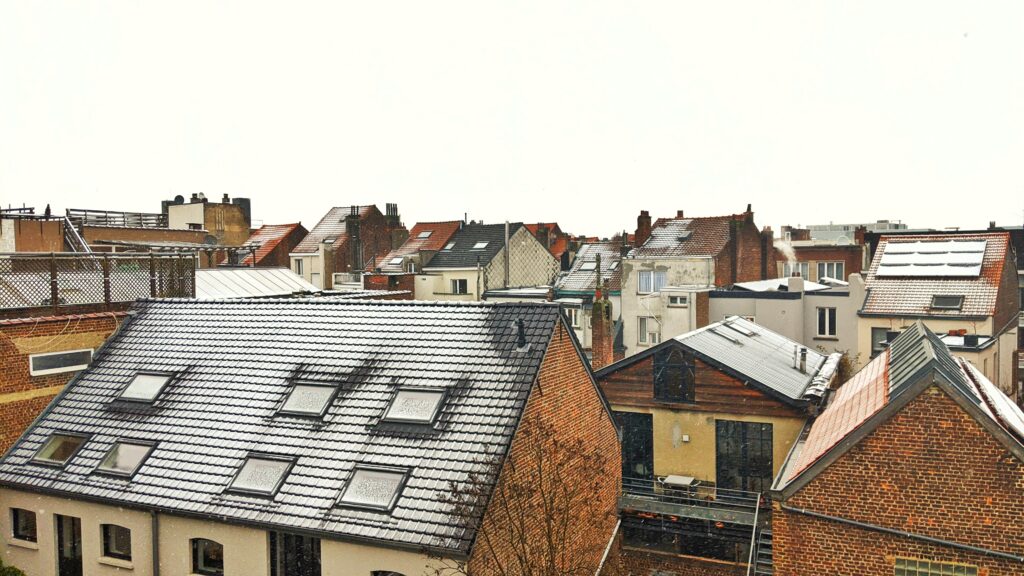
(803, 360)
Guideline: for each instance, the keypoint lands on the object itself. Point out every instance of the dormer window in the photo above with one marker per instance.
(480, 245)
(415, 406)
(59, 448)
(309, 399)
(425, 234)
(145, 387)
(261, 474)
(374, 487)
(125, 457)
(947, 302)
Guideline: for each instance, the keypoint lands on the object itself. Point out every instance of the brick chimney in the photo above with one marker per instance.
(858, 235)
(601, 326)
(355, 262)
(643, 227)
(543, 236)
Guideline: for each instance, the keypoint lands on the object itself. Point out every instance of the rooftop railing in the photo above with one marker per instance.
(701, 501)
(80, 217)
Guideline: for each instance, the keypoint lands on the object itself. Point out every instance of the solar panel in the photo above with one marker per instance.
(938, 258)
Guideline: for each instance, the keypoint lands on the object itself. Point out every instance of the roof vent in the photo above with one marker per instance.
(521, 344)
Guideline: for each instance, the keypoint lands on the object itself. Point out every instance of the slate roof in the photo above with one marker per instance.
(755, 354)
(440, 234)
(858, 405)
(213, 283)
(681, 237)
(912, 296)
(578, 280)
(332, 225)
(267, 238)
(463, 255)
(234, 361)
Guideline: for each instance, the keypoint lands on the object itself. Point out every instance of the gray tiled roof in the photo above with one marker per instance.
(234, 361)
(463, 255)
(579, 280)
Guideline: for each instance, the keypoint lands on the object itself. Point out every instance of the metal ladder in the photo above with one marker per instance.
(74, 241)
(763, 554)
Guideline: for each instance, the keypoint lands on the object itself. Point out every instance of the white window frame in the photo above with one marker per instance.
(573, 314)
(839, 267)
(62, 369)
(654, 279)
(683, 301)
(644, 335)
(830, 324)
(297, 265)
(455, 285)
(804, 267)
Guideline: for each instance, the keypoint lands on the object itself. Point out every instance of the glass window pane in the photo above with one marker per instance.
(125, 457)
(414, 406)
(23, 524)
(145, 387)
(646, 282)
(59, 362)
(308, 399)
(117, 542)
(373, 488)
(207, 557)
(260, 475)
(59, 448)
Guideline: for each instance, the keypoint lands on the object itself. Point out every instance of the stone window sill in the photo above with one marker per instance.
(116, 562)
(24, 544)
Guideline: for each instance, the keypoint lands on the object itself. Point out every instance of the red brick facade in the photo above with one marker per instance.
(633, 562)
(852, 257)
(931, 470)
(565, 402)
(22, 396)
(391, 282)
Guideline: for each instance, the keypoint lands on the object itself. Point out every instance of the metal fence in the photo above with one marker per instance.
(81, 217)
(63, 279)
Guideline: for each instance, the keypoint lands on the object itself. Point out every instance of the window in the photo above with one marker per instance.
(677, 300)
(417, 406)
(59, 448)
(373, 487)
(614, 265)
(648, 331)
(790, 269)
(827, 322)
(57, 362)
(294, 555)
(425, 234)
(207, 557)
(460, 286)
(449, 245)
(674, 376)
(23, 524)
(915, 567)
(145, 387)
(309, 399)
(650, 281)
(298, 266)
(879, 339)
(573, 315)
(117, 541)
(947, 302)
(395, 261)
(125, 458)
(480, 245)
(261, 474)
(835, 270)
(588, 266)
(194, 226)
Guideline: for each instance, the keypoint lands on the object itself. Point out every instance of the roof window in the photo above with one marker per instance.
(589, 265)
(480, 245)
(947, 302)
(425, 234)
(309, 399)
(395, 261)
(416, 406)
(374, 487)
(261, 474)
(449, 245)
(125, 457)
(614, 265)
(59, 448)
(145, 387)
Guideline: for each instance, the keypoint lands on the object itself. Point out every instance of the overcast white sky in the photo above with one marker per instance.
(581, 112)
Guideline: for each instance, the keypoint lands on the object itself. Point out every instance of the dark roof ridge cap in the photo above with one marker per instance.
(327, 300)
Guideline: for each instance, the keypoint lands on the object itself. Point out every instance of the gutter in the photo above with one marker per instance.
(912, 535)
(608, 549)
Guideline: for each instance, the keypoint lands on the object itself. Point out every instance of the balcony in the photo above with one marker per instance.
(700, 501)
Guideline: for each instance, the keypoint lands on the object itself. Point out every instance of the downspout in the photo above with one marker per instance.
(155, 547)
(608, 549)
(506, 253)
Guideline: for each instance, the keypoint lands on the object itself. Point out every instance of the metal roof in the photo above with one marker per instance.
(213, 283)
(234, 364)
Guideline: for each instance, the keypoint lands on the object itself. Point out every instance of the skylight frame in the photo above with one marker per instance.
(589, 266)
(404, 472)
(443, 395)
(396, 261)
(482, 245)
(449, 246)
(959, 305)
(290, 460)
(36, 459)
(323, 411)
(169, 378)
(424, 234)
(150, 444)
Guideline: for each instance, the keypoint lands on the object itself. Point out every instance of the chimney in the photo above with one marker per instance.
(643, 227)
(355, 240)
(803, 360)
(226, 199)
(795, 283)
(971, 340)
(194, 199)
(602, 347)
(679, 214)
(520, 335)
(858, 235)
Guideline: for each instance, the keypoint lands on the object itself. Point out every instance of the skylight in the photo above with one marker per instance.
(261, 474)
(145, 387)
(614, 265)
(395, 261)
(59, 448)
(947, 302)
(449, 246)
(415, 406)
(309, 399)
(125, 458)
(376, 488)
(588, 266)
(425, 234)
(480, 245)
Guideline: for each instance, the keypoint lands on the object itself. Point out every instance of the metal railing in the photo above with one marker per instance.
(56, 280)
(702, 501)
(80, 217)
(753, 544)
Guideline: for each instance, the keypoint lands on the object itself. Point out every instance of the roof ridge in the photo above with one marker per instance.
(327, 300)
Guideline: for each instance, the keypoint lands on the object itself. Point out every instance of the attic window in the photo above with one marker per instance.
(261, 474)
(145, 387)
(309, 399)
(588, 266)
(374, 487)
(425, 234)
(614, 265)
(947, 302)
(395, 261)
(419, 406)
(59, 448)
(124, 458)
(449, 246)
(480, 245)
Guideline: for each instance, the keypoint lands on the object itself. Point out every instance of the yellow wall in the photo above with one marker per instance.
(673, 455)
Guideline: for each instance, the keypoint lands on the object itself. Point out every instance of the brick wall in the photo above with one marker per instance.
(633, 562)
(852, 257)
(743, 256)
(23, 396)
(93, 234)
(932, 470)
(565, 402)
(391, 282)
(1008, 300)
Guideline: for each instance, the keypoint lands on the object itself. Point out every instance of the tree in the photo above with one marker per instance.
(547, 512)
